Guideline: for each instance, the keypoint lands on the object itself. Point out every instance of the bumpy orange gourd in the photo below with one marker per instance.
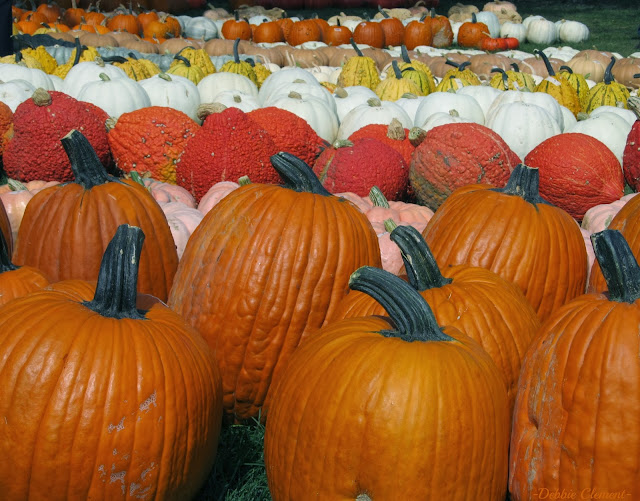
(515, 233)
(66, 228)
(575, 425)
(474, 300)
(102, 400)
(267, 264)
(391, 407)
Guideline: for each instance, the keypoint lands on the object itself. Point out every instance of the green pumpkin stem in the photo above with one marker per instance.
(396, 69)
(79, 50)
(608, 76)
(116, 290)
(404, 54)
(410, 313)
(524, 182)
(515, 67)
(244, 180)
(186, 62)
(296, 174)
(383, 12)
(5, 259)
(422, 269)
(505, 77)
(547, 63)
(377, 198)
(566, 68)
(618, 264)
(462, 66)
(85, 164)
(236, 55)
(355, 47)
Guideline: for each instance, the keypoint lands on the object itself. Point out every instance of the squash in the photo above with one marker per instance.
(494, 227)
(115, 369)
(608, 92)
(359, 70)
(631, 153)
(345, 396)
(267, 306)
(586, 346)
(559, 88)
(68, 241)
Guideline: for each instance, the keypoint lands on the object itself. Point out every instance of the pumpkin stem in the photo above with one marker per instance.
(515, 67)
(79, 50)
(407, 309)
(186, 62)
(618, 264)
(236, 15)
(608, 76)
(545, 60)
(505, 77)
(244, 180)
(566, 68)
(296, 174)
(41, 97)
(5, 259)
(396, 69)
(355, 47)
(383, 12)
(117, 286)
(404, 54)
(236, 56)
(524, 182)
(451, 63)
(417, 135)
(474, 19)
(422, 269)
(377, 198)
(85, 164)
(395, 130)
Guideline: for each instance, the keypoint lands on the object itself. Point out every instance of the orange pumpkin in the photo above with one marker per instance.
(373, 408)
(336, 34)
(66, 228)
(369, 33)
(268, 32)
(393, 29)
(235, 28)
(575, 426)
(305, 30)
(515, 233)
(17, 281)
(283, 256)
(112, 398)
(124, 21)
(442, 33)
(471, 33)
(417, 33)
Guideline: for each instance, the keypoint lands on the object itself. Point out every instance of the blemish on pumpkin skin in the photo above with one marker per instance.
(146, 405)
(118, 427)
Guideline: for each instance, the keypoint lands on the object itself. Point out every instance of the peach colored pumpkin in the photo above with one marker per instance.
(598, 217)
(165, 192)
(182, 219)
(216, 193)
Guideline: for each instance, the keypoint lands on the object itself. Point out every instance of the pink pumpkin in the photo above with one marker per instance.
(182, 220)
(165, 193)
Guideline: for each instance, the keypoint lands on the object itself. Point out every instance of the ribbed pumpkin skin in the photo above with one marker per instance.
(66, 228)
(101, 408)
(631, 157)
(5, 228)
(537, 247)
(264, 266)
(577, 172)
(603, 94)
(627, 221)
(479, 303)
(358, 413)
(455, 155)
(359, 70)
(20, 282)
(576, 416)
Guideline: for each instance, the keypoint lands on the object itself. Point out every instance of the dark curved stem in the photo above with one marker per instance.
(355, 47)
(474, 19)
(396, 69)
(462, 66)
(410, 313)
(236, 56)
(5, 259)
(547, 63)
(422, 269)
(116, 290)
(505, 77)
(404, 54)
(381, 11)
(608, 76)
(618, 264)
(515, 67)
(566, 68)
(85, 164)
(297, 175)
(524, 182)
(186, 62)
(79, 50)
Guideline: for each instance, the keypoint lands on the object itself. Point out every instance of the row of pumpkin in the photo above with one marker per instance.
(261, 320)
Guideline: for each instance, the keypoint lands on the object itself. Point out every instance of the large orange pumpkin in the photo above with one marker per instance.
(576, 427)
(17, 281)
(515, 233)
(391, 408)
(627, 221)
(66, 228)
(478, 302)
(265, 265)
(101, 400)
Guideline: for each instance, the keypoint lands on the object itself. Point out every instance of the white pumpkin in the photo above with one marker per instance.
(89, 71)
(323, 73)
(214, 83)
(58, 83)
(492, 22)
(466, 107)
(607, 127)
(523, 126)
(34, 76)
(442, 118)
(628, 115)
(572, 31)
(515, 30)
(321, 117)
(14, 92)
(373, 111)
(236, 99)
(410, 104)
(285, 76)
(117, 96)
(485, 95)
(173, 91)
(529, 19)
(568, 118)
(304, 89)
(200, 28)
(348, 98)
(541, 99)
(542, 31)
